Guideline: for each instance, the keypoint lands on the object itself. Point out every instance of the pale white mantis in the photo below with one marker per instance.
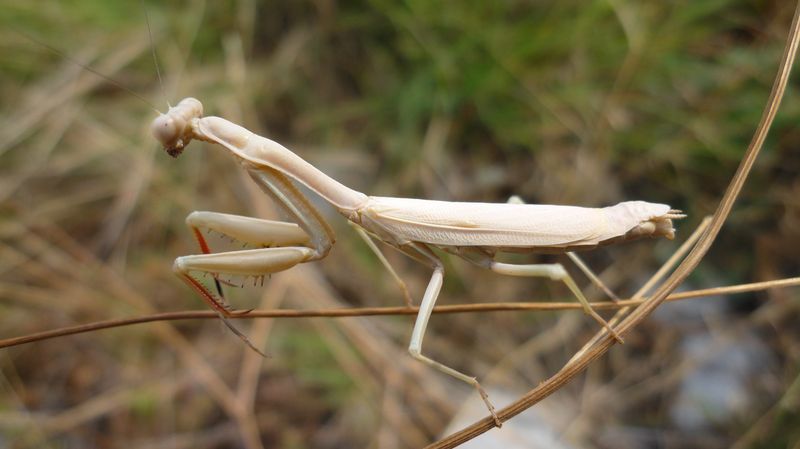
(473, 231)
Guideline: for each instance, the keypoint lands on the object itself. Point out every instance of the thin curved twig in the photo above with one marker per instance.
(382, 311)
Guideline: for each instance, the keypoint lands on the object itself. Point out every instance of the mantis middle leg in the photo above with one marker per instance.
(385, 262)
(423, 316)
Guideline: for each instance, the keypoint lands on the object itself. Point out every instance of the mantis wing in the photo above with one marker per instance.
(446, 223)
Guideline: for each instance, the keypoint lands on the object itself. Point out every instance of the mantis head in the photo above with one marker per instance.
(174, 130)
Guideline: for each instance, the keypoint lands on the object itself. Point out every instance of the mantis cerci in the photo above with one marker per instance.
(473, 231)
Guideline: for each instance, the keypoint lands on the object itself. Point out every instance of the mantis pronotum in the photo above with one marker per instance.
(473, 231)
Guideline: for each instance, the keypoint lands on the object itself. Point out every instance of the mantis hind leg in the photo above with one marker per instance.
(423, 316)
(555, 272)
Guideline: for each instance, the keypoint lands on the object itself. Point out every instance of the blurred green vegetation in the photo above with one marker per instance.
(574, 102)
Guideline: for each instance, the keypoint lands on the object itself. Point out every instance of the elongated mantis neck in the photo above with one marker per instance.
(292, 165)
(261, 151)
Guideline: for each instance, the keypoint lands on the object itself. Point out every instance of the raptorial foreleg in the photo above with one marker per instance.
(277, 246)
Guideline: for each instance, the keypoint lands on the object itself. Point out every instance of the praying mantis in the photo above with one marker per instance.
(476, 232)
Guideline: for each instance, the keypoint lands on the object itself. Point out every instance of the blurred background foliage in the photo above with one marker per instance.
(573, 102)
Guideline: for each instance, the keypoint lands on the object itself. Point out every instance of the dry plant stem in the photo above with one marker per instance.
(681, 273)
(384, 311)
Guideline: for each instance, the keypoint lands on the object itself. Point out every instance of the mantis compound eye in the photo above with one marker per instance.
(168, 133)
(173, 129)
